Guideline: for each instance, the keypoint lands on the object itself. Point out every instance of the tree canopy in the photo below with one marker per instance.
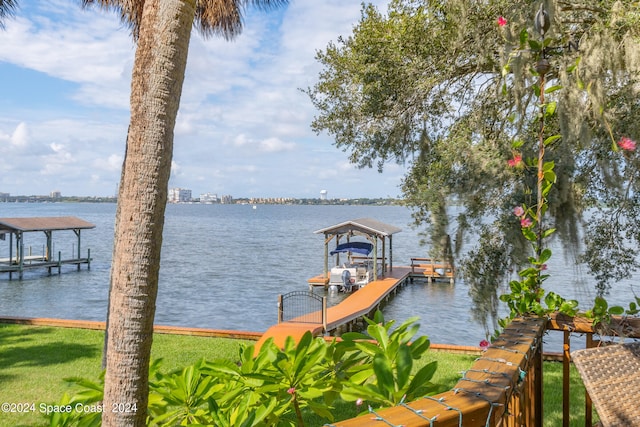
(448, 88)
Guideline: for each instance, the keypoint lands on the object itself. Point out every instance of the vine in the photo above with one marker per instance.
(527, 294)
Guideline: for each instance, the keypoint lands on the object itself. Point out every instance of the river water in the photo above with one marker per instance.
(223, 267)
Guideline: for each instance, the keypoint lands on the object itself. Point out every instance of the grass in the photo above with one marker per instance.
(34, 360)
(552, 377)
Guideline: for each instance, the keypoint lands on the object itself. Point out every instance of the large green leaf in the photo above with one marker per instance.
(379, 333)
(404, 364)
(384, 375)
(422, 379)
(420, 346)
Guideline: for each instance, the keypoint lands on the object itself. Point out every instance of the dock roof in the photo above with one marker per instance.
(43, 224)
(367, 226)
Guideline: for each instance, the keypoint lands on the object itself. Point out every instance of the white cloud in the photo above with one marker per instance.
(113, 163)
(242, 119)
(56, 148)
(20, 136)
(274, 145)
(242, 169)
(268, 145)
(175, 168)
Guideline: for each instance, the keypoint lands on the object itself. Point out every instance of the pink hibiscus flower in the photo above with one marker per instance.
(517, 159)
(627, 144)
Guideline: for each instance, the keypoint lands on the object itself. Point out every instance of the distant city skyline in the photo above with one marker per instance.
(243, 126)
(185, 195)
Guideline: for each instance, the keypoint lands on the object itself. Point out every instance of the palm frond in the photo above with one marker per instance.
(225, 17)
(213, 17)
(219, 17)
(266, 4)
(130, 12)
(7, 10)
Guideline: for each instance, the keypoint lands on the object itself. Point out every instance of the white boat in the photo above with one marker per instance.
(368, 264)
(356, 272)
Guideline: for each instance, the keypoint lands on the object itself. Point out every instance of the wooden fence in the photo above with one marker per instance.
(628, 327)
(504, 386)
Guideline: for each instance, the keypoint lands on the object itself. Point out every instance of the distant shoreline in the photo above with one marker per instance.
(239, 201)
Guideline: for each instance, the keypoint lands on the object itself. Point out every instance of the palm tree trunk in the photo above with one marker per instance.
(156, 87)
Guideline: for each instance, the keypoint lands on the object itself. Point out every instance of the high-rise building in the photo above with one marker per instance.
(323, 195)
(179, 195)
(208, 198)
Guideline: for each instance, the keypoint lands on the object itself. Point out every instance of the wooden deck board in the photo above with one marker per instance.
(354, 306)
(318, 280)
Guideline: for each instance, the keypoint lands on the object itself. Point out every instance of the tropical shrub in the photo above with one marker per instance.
(277, 386)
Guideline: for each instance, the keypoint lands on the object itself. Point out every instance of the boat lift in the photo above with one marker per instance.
(18, 261)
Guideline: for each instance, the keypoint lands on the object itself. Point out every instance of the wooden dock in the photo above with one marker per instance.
(432, 270)
(18, 260)
(360, 303)
(6, 266)
(421, 268)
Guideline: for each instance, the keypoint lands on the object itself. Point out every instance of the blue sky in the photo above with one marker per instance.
(243, 127)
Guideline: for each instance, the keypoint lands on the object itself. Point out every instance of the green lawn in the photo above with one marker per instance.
(34, 360)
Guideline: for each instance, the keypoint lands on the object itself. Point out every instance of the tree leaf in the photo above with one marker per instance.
(404, 364)
(384, 374)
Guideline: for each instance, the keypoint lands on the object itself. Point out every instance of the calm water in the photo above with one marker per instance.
(223, 267)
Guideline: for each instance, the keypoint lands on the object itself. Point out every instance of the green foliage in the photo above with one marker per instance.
(487, 265)
(601, 312)
(276, 386)
(527, 295)
(385, 377)
(277, 381)
(86, 404)
(440, 87)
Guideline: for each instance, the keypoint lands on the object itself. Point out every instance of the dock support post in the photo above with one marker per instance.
(21, 255)
(11, 254)
(59, 262)
(89, 259)
(390, 252)
(280, 309)
(324, 314)
(49, 249)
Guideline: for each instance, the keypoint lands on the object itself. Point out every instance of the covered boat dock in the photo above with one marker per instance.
(376, 232)
(18, 260)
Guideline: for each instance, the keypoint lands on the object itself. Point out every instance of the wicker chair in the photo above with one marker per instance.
(611, 376)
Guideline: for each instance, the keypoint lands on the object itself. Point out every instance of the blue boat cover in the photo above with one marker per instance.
(363, 248)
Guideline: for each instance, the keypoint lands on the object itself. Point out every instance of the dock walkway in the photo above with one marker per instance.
(358, 304)
(421, 268)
